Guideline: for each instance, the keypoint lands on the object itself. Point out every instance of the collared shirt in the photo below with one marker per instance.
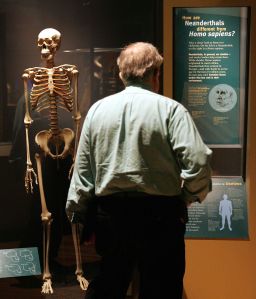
(137, 140)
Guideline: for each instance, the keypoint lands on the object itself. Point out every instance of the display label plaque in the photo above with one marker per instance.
(19, 262)
(223, 214)
(209, 69)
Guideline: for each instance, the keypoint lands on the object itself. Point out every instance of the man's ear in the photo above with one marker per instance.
(122, 79)
(155, 81)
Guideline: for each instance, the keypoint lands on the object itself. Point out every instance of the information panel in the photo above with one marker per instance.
(223, 214)
(19, 262)
(210, 68)
(210, 80)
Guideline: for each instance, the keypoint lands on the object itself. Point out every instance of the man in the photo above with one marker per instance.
(142, 160)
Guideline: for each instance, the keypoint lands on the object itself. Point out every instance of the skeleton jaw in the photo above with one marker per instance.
(46, 54)
(47, 57)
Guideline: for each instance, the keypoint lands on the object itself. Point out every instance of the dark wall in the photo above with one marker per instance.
(126, 21)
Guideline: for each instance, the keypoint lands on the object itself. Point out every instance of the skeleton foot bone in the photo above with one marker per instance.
(47, 287)
(83, 282)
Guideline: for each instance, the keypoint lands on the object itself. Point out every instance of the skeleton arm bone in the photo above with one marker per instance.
(79, 271)
(76, 115)
(30, 173)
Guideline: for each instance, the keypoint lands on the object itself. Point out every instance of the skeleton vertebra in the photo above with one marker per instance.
(52, 90)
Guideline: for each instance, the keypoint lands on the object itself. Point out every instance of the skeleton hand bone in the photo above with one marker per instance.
(30, 173)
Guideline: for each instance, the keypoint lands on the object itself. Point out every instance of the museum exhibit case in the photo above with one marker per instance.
(37, 124)
(91, 40)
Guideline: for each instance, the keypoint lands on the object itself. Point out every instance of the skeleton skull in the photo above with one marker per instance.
(223, 97)
(49, 42)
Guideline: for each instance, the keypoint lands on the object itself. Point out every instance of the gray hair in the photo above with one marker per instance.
(137, 61)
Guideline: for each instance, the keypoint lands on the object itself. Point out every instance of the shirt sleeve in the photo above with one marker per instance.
(192, 154)
(81, 189)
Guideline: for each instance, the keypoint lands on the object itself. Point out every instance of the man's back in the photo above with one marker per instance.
(142, 129)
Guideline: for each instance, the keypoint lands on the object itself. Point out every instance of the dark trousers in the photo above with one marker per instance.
(143, 232)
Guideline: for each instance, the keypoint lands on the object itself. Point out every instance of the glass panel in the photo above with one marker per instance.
(85, 26)
(98, 75)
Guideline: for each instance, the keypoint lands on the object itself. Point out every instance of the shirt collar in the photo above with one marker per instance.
(144, 86)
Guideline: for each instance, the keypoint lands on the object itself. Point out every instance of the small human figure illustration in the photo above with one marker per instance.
(225, 210)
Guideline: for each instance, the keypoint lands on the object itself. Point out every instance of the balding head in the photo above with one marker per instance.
(138, 61)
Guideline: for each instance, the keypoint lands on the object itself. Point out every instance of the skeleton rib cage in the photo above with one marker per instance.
(52, 90)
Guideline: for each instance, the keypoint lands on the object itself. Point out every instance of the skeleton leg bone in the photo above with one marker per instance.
(46, 218)
(79, 272)
(47, 285)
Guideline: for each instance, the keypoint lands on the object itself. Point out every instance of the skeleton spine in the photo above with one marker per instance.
(53, 115)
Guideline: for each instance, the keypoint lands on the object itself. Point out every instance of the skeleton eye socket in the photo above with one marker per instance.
(40, 42)
(48, 41)
(44, 41)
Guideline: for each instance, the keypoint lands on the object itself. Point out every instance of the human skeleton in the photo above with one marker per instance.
(52, 90)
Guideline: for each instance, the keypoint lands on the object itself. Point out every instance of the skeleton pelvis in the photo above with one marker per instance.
(56, 146)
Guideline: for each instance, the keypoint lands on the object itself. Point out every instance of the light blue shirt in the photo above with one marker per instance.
(137, 140)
